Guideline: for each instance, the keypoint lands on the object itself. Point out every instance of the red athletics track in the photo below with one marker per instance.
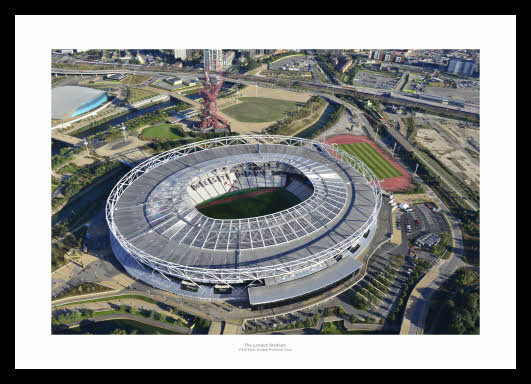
(392, 184)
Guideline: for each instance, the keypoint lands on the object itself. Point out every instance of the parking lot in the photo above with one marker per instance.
(433, 220)
(300, 63)
(374, 80)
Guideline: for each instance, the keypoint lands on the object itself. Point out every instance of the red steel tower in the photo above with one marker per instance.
(209, 107)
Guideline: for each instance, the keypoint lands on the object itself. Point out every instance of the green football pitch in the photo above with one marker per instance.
(260, 109)
(371, 158)
(251, 206)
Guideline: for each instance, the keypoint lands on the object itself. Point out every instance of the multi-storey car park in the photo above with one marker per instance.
(161, 238)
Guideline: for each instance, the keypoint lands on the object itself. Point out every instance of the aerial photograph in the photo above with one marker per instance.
(221, 192)
(265, 191)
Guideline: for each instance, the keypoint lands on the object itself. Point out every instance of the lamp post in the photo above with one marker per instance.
(86, 145)
(124, 129)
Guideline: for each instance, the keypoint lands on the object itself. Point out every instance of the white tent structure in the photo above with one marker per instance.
(403, 206)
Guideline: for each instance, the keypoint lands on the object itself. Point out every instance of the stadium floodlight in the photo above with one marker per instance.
(415, 174)
(394, 146)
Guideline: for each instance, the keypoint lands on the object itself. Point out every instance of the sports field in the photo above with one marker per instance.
(167, 131)
(376, 162)
(249, 204)
(260, 109)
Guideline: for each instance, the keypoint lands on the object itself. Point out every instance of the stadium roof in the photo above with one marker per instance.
(65, 100)
(155, 216)
(304, 285)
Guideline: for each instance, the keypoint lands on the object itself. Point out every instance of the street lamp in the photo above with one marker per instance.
(123, 129)
(86, 145)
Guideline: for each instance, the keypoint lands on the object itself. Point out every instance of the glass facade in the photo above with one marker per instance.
(91, 104)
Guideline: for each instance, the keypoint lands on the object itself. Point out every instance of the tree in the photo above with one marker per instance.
(465, 277)
(89, 313)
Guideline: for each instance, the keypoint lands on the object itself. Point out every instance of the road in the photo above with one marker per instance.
(471, 110)
(417, 310)
(417, 315)
(404, 143)
(410, 148)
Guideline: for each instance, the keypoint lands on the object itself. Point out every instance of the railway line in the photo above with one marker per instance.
(469, 111)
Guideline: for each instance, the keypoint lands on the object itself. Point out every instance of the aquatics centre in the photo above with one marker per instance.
(71, 101)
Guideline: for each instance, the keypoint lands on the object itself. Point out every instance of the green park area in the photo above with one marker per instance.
(371, 158)
(260, 109)
(116, 327)
(135, 79)
(164, 131)
(137, 94)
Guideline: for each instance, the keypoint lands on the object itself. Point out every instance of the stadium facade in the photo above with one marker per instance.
(161, 238)
(71, 101)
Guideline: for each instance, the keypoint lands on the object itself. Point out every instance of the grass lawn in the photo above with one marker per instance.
(252, 206)
(136, 94)
(189, 90)
(260, 109)
(371, 158)
(108, 326)
(167, 131)
(135, 79)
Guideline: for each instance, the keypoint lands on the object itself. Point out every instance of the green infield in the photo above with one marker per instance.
(251, 206)
(371, 158)
(260, 109)
(166, 131)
